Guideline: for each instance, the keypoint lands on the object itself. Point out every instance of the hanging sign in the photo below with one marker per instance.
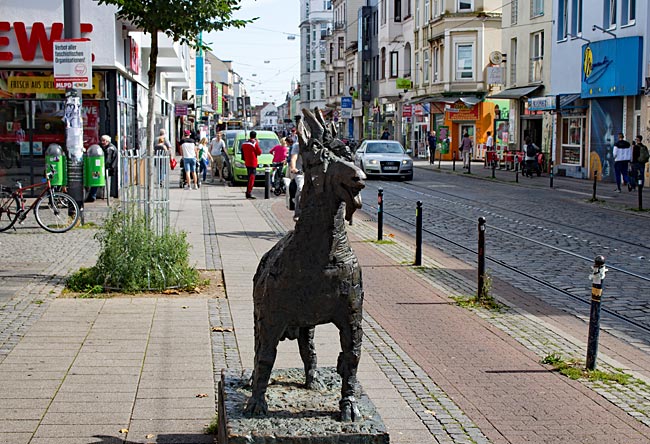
(73, 67)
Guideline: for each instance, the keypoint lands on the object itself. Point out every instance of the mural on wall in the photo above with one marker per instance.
(606, 123)
(548, 132)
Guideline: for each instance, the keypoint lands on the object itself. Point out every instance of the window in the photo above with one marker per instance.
(427, 12)
(536, 56)
(437, 8)
(384, 12)
(339, 83)
(331, 52)
(417, 13)
(327, 5)
(341, 48)
(322, 90)
(536, 8)
(465, 5)
(383, 63)
(435, 64)
(610, 14)
(425, 66)
(331, 85)
(464, 61)
(394, 64)
(313, 90)
(417, 68)
(409, 11)
(512, 57)
(562, 19)
(407, 60)
(573, 137)
(576, 17)
(397, 10)
(514, 11)
(308, 93)
(628, 14)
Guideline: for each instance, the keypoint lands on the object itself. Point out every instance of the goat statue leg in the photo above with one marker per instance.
(308, 355)
(350, 333)
(267, 337)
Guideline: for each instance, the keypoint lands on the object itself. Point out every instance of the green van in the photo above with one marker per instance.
(266, 139)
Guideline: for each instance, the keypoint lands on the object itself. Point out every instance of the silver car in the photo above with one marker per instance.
(384, 158)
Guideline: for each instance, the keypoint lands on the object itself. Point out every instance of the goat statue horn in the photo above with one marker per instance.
(315, 126)
(303, 135)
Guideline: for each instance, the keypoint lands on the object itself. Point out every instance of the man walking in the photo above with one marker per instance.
(217, 151)
(190, 154)
(433, 140)
(250, 150)
(640, 157)
(622, 156)
(466, 149)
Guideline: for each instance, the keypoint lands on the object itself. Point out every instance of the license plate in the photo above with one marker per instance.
(389, 168)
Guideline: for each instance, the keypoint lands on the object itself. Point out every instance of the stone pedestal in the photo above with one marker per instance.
(296, 415)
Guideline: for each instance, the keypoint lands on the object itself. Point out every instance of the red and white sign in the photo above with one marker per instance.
(134, 52)
(407, 110)
(419, 111)
(73, 67)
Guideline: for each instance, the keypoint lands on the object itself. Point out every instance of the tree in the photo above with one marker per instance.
(180, 20)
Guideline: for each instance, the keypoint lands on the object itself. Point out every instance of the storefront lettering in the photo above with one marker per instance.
(30, 40)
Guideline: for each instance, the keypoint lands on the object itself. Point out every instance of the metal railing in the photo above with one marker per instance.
(144, 188)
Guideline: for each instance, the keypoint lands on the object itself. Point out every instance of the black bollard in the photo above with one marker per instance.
(267, 181)
(639, 185)
(517, 171)
(494, 167)
(380, 214)
(453, 161)
(418, 233)
(439, 158)
(593, 196)
(597, 277)
(481, 293)
(550, 164)
(469, 164)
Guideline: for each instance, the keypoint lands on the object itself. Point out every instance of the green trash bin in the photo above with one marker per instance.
(54, 158)
(94, 167)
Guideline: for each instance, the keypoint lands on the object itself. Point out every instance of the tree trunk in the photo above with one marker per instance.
(151, 112)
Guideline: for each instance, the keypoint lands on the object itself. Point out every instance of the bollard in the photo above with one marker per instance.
(517, 171)
(380, 214)
(418, 233)
(593, 196)
(267, 181)
(439, 158)
(469, 164)
(597, 276)
(550, 164)
(494, 167)
(639, 185)
(481, 259)
(453, 161)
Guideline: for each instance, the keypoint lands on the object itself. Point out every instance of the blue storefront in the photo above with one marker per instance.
(612, 84)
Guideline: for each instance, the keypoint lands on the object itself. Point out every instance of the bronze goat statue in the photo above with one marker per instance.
(312, 276)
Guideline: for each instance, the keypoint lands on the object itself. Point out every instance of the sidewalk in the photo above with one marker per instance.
(117, 370)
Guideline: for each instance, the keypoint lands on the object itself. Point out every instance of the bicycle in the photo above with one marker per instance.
(277, 178)
(55, 211)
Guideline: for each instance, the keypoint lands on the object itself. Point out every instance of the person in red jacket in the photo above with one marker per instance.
(250, 150)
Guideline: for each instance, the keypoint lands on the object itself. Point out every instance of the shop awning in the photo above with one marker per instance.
(469, 100)
(566, 100)
(515, 93)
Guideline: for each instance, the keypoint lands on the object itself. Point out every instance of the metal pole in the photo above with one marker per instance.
(267, 181)
(550, 164)
(73, 118)
(380, 214)
(639, 184)
(593, 196)
(418, 233)
(453, 163)
(517, 171)
(481, 259)
(494, 166)
(597, 276)
(469, 163)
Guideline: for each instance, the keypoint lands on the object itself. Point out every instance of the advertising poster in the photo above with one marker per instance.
(606, 123)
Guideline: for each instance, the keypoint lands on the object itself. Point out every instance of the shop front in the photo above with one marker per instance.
(473, 118)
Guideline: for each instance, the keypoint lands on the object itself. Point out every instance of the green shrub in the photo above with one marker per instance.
(134, 258)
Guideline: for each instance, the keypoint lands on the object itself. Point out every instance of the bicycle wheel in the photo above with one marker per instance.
(9, 208)
(57, 214)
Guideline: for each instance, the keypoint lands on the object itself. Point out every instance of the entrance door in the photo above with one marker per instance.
(470, 129)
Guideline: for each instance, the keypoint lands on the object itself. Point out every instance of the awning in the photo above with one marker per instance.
(469, 100)
(207, 109)
(515, 93)
(567, 99)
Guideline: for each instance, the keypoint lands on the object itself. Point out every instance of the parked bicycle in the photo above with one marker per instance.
(55, 211)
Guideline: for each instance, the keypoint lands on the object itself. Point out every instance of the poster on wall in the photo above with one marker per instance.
(90, 116)
(606, 123)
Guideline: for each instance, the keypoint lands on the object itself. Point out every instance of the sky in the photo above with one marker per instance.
(261, 52)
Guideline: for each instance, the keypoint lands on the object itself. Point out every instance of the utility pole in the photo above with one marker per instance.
(73, 119)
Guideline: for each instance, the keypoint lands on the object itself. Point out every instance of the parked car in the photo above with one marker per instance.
(384, 158)
(267, 140)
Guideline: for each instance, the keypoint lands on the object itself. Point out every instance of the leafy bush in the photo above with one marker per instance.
(134, 258)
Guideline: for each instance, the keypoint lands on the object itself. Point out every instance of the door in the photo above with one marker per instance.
(470, 129)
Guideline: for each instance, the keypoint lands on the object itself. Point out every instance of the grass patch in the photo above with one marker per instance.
(88, 226)
(488, 303)
(575, 369)
(380, 242)
(133, 258)
(645, 210)
(213, 427)
(38, 302)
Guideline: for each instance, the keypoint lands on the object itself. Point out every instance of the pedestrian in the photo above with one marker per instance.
(489, 148)
(162, 133)
(280, 151)
(530, 157)
(190, 154)
(385, 135)
(640, 157)
(433, 140)
(162, 152)
(622, 155)
(204, 158)
(250, 150)
(110, 163)
(218, 151)
(297, 176)
(465, 148)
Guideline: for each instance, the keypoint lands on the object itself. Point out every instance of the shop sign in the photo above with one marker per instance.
(346, 107)
(612, 68)
(546, 103)
(407, 110)
(28, 44)
(30, 82)
(419, 111)
(495, 75)
(460, 111)
(73, 67)
(181, 110)
(401, 83)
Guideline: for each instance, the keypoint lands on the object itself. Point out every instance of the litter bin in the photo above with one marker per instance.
(54, 157)
(94, 167)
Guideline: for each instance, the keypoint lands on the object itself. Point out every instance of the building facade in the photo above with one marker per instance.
(316, 17)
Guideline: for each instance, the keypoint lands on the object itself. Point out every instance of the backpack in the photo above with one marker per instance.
(531, 150)
(643, 153)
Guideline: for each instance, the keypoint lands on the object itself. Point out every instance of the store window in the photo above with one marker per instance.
(572, 140)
